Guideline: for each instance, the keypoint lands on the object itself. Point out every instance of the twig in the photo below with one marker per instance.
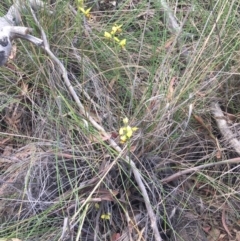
(111, 142)
(194, 169)
(223, 126)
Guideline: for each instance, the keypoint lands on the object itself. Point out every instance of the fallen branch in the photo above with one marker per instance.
(223, 127)
(111, 142)
(7, 34)
(9, 29)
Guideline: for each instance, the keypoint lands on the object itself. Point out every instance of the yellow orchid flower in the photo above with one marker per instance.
(123, 139)
(106, 216)
(122, 43)
(129, 131)
(125, 120)
(107, 35)
(85, 12)
(96, 205)
(116, 29)
(112, 35)
(116, 39)
(121, 131)
(126, 131)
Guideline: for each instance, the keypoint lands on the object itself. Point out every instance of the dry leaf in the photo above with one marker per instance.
(219, 155)
(24, 89)
(7, 151)
(206, 229)
(169, 42)
(114, 3)
(237, 236)
(10, 239)
(113, 81)
(133, 148)
(171, 88)
(13, 54)
(115, 237)
(214, 235)
(114, 135)
(221, 237)
(4, 141)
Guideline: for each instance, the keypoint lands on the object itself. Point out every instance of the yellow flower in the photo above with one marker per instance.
(112, 35)
(129, 131)
(123, 139)
(97, 206)
(116, 39)
(107, 35)
(122, 43)
(106, 216)
(121, 131)
(116, 29)
(126, 131)
(125, 120)
(85, 12)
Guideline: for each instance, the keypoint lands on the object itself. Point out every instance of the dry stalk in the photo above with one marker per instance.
(111, 142)
(197, 168)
